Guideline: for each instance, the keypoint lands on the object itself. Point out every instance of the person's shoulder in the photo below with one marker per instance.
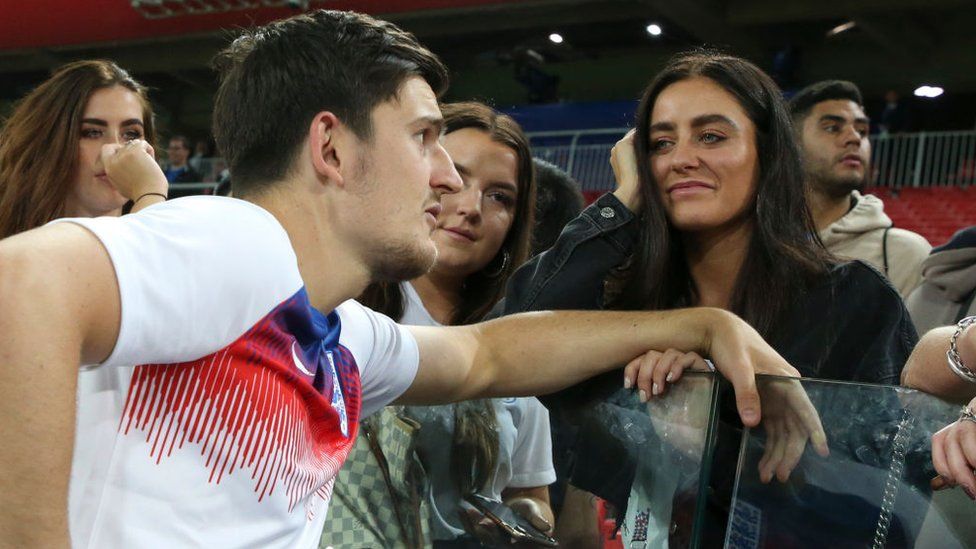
(204, 216)
(860, 281)
(908, 241)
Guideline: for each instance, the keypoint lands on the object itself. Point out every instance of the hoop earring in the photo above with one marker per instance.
(501, 269)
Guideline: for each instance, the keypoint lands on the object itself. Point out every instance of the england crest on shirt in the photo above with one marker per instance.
(338, 404)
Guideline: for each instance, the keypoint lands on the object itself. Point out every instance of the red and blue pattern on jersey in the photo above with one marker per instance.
(280, 404)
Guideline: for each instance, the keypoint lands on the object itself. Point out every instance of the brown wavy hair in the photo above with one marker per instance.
(39, 142)
(785, 256)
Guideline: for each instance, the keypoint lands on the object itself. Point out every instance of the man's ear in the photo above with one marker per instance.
(322, 139)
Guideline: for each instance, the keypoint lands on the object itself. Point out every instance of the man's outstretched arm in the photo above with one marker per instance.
(537, 353)
(59, 308)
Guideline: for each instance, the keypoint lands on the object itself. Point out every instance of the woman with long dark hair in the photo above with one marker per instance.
(499, 448)
(51, 148)
(711, 210)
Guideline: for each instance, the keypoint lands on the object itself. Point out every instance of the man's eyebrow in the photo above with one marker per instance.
(841, 120)
(435, 122)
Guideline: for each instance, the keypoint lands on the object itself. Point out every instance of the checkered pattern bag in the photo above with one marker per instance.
(363, 512)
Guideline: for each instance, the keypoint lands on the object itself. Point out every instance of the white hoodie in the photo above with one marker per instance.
(860, 234)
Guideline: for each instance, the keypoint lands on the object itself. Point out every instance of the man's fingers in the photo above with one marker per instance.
(807, 416)
(774, 450)
(743, 378)
(796, 442)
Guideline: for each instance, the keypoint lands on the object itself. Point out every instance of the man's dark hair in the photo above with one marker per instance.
(826, 90)
(184, 141)
(274, 79)
(558, 201)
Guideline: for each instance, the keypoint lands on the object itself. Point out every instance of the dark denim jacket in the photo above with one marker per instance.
(570, 275)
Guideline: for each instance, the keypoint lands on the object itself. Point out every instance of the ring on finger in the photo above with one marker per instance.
(967, 414)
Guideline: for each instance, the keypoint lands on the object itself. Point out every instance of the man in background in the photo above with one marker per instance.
(832, 131)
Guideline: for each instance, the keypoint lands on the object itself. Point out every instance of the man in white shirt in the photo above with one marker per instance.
(223, 396)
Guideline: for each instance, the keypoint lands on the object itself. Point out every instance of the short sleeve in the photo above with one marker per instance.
(532, 455)
(194, 274)
(386, 354)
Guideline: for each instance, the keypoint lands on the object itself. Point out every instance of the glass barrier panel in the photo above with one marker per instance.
(654, 450)
(872, 490)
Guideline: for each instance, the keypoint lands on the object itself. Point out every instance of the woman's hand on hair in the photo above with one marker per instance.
(652, 372)
(623, 160)
(133, 170)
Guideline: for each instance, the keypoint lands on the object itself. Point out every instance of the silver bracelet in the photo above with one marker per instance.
(952, 355)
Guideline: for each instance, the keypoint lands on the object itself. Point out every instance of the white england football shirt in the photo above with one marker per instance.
(228, 403)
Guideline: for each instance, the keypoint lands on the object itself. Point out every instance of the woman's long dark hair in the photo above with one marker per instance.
(784, 256)
(39, 142)
(474, 448)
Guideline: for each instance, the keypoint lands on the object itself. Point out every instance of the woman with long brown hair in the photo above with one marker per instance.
(499, 448)
(51, 148)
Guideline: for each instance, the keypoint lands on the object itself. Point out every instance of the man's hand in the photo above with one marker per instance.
(623, 160)
(739, 353)
(133, 170)
(790, 420)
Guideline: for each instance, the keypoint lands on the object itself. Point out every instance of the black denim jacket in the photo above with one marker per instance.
(570, 275)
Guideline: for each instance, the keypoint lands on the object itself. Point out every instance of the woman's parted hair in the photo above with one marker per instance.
(785, 255)
(39, 142)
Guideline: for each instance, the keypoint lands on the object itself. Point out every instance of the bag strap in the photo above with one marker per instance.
(374, 447)
(884, 248)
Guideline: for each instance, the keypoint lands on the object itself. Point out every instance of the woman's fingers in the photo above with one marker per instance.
(663, 371)
(644, 381)
(962, 472)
